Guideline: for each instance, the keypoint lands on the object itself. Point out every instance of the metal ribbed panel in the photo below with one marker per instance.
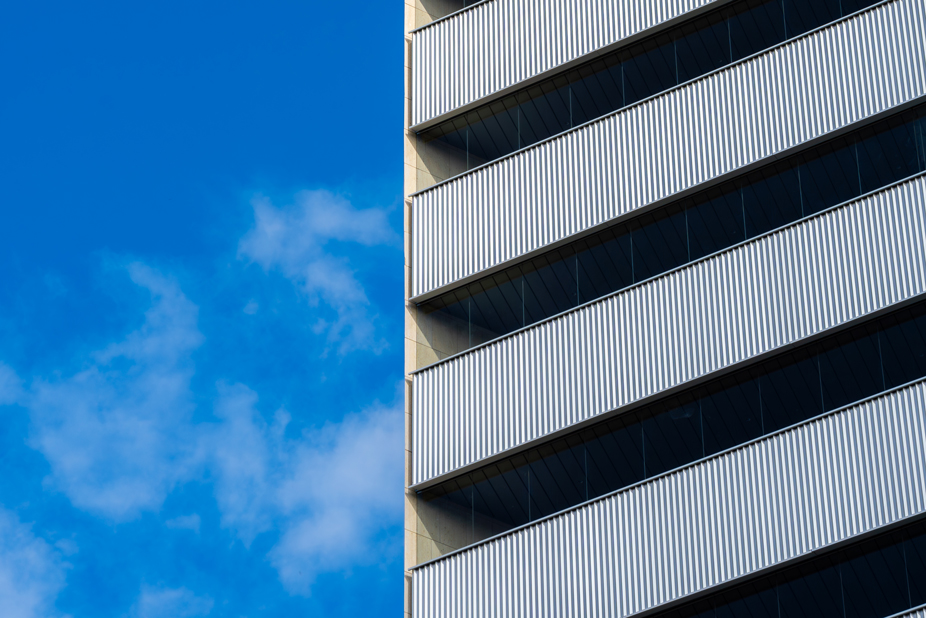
(497, 45)
(773, 102)
(752, 299)
(774, 500)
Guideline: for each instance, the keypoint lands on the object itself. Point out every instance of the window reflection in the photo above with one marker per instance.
(660, 242)
(715, 221)
(672, 436)
(771, 198)
(829, 176)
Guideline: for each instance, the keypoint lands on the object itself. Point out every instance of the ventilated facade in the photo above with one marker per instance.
(665, 330)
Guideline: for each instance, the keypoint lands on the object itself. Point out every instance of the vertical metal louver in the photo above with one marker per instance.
(498, 44)
(780, 498)
(800, 91)
(752, 299)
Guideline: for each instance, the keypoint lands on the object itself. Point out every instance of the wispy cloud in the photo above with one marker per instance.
(184, 522)
(117, 432)
(11, 388)
(164, 602)
(297, 241)
(32, 573)
(119, 436)
(329, 492)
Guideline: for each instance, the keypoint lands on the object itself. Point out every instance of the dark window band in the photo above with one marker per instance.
(777, 393)
(618, 257)
(624, 77)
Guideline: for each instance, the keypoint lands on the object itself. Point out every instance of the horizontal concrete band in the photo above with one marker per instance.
(749, 301)
(609, 169)
(500, 44)
(804, 489)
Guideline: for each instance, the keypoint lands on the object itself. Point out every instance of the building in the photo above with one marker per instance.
(665, 308)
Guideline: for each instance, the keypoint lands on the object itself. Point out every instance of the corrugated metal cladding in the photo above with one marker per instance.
(793, 493)
(752, 299)
(499, 44)
(713, 126)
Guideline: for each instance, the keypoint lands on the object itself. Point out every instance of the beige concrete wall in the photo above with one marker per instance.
(416, 14)
(429, 532)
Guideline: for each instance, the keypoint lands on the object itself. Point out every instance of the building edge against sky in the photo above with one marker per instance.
(622, 547)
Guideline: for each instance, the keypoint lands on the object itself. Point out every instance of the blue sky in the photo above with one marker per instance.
(200, 309)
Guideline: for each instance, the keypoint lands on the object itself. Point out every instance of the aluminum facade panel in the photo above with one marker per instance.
(782, 497)
(741, 115)
(749, 300)
(496, 45)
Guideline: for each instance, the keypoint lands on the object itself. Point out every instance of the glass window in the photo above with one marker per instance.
(447, 143)
(557, 476)
(829, 176)
(660, 242)
(500, 497)
(445, 513)
(851, 6)
(755, 26)
(698, 609)
(850, 368)
(731, 411)
(874, 582)
(544, 111)
(802, 16)
(919, 136)
(549, 284)
(903, 347)
(771, 199)
(444, 321)
(649, 68)
(811, 593)
(672, 435)
(604, 263)
(715, 221)
(614, 456)
(790, 390)
(886, 155)
(702, 46)
(915, 557)
(753, 600)
(596, 89)
(496, 307)
(493, 131)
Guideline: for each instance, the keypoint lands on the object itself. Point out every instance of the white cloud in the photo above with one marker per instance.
(294, 240)
(116, 433)
(162, 602)
(243, 459)
(328, 493)
(31, 571)
(119, 437)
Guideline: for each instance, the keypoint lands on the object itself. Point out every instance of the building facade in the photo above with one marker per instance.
(665, 336)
